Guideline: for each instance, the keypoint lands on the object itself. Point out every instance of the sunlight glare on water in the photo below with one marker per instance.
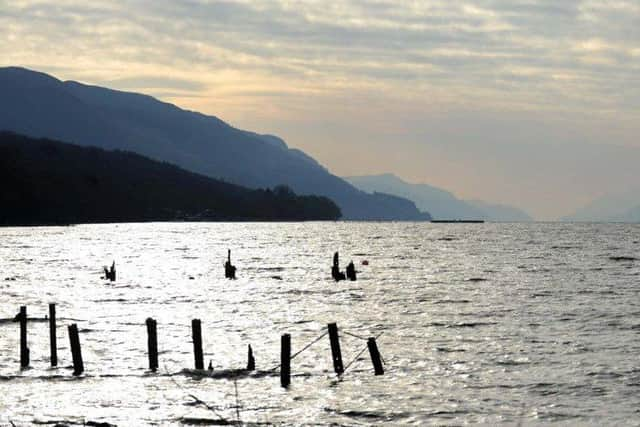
(481, 323)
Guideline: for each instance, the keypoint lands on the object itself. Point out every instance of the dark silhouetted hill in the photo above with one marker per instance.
(441, 204)
(38, 105)
(49, 182)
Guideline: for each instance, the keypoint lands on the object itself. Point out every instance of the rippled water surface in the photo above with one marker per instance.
(481, 323)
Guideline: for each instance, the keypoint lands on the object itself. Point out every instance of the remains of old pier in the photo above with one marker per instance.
(286, 355)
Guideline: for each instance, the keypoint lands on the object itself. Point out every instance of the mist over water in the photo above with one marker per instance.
(482, 323)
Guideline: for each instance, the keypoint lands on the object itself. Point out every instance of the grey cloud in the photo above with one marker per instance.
(150, 82)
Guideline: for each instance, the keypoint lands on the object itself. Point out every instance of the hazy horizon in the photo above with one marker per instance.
(533, 104)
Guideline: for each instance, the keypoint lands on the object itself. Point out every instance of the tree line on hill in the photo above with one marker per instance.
(44, 181)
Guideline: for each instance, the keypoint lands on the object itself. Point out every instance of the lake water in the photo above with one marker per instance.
(516, 324)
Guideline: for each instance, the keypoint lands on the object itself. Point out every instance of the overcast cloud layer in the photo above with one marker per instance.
(531, 102)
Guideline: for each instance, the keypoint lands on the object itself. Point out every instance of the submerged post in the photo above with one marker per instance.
(336, 355)
(285, 360)
(24, 350)
(52, 335)
(152, 344)
(375, 356)
(76, 353)
(251, 362)
(196, 334)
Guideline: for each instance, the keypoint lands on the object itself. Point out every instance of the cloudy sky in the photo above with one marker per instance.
(534, 103)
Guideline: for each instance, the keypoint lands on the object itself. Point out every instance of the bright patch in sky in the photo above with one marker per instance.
(532, 102)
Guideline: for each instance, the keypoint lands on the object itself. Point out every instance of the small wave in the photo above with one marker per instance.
(29, 319)
(452, 301)
(558, 416)
(566, 247)
(450, 350)
(226, 373)
(195, 421)
(361, 414)
(477, 279)
(512, 362)
(70, 422)
(623, 258)
(436, 324)
(541, 294)
(368, 416)
(446, 414)
(470, 324)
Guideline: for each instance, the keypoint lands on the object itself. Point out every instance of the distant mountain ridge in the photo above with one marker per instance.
(615, 207)
(38, 105)
(49, 182)
(440, 203)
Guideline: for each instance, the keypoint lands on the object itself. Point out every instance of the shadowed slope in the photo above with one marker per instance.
(39, 105)
(44, 181)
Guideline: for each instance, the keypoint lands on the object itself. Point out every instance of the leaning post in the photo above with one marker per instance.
(76, 352)
(375, 356)
(336, 354)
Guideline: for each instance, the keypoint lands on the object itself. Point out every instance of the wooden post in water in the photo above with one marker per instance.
(336, 355)
(152, 343)
(76, 353)
(285, 360)
(251, 362)
(375, 356)
(24, 350)
(196, 334)
(52, 335)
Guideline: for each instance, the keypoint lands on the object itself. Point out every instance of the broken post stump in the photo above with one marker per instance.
(196, 334)
(229, 270)
(335, 269)
(285, 360)
(375, 356)
(76, 352)
(152, 343)
(336, 355)
(52, 335)
(24, 350)
(351, 271)
(251, 362)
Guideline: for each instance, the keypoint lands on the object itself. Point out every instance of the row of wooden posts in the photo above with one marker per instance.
(196, 334)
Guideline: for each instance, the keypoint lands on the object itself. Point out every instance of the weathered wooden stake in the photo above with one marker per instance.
(251, 362)
(375, 356)
(24, 350)
(336, 355)
(52, 335)
(76, 352)
(152, 343)
(196, 334)
(285, 360)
